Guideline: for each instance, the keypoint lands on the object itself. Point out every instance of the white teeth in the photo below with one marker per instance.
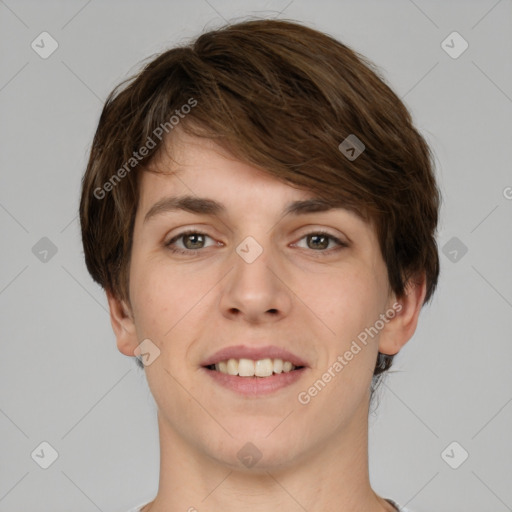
(232, 367)
(246, 368)
(263, 368)
(250, 368)
(278, 365)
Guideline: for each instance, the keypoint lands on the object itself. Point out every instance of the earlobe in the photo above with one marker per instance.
(400, 329)
(123, 325)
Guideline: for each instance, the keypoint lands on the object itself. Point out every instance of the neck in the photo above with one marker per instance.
(331, 477)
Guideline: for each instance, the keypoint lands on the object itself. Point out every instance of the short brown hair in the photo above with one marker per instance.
(282, 97)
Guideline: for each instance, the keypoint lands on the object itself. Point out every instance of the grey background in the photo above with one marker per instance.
(62, 379)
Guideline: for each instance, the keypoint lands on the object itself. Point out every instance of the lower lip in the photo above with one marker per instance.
(255, 386)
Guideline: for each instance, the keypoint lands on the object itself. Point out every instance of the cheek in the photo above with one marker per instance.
(165, 297)
(349, 300)
(155, 294)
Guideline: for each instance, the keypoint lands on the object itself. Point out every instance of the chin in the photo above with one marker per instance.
(256, 449)
(256, 458)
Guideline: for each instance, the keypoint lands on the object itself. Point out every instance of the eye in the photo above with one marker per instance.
(320, 241)
(195, 237)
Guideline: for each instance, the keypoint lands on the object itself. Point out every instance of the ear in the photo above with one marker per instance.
(123, 325)
(399, 329)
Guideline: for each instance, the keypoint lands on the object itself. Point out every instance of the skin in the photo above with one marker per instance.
(299, 294)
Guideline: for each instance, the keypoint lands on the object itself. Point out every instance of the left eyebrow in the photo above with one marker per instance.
(206, 206)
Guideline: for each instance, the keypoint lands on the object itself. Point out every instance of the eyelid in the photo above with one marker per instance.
(312, 230)
(308, 230)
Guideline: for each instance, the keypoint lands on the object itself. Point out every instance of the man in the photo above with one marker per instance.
(261, 214)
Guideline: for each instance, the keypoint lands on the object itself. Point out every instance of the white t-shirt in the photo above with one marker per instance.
(394, 503)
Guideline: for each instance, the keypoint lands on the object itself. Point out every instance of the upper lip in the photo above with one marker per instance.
(254, 353)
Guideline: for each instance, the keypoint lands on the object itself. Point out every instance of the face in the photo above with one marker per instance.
(249, 276)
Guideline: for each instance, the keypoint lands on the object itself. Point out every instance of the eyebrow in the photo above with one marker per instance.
(206, 206)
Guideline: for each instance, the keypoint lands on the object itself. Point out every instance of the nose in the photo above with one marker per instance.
(258, 287)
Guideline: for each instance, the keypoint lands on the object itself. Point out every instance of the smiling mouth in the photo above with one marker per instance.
(251, 368)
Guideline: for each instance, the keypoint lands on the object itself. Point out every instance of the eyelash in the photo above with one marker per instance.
(191, 252)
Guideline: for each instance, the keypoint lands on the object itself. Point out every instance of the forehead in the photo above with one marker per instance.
(197, 175)
(190, 165)
(202, 160)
